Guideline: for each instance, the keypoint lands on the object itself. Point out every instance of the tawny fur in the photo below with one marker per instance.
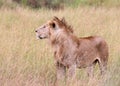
(72, 52)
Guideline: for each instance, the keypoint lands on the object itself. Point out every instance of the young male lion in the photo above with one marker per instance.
(71, 52)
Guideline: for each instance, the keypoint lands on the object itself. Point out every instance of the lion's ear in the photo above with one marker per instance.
(56, 18)
(63, 20)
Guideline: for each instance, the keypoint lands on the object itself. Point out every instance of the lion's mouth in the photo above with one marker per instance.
(40, 37)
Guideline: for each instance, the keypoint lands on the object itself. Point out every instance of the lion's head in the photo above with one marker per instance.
(53, 27)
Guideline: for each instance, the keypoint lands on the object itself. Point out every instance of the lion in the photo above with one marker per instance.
(71, 52)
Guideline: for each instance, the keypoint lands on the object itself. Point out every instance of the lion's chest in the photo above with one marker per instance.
(64, 56)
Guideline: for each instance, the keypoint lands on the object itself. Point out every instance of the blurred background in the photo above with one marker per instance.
(58, 4)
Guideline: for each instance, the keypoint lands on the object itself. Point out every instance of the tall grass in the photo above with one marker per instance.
(26, 61)
(58, 4)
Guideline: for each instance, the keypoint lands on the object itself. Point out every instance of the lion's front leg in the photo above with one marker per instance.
(71, 75)
(61, 74)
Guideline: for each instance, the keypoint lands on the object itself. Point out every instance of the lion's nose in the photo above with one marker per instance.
(36, 31)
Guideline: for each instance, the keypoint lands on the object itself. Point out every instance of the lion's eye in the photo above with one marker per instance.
(44, 26)
(53, 25)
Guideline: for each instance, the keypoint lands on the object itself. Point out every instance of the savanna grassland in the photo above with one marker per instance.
(26, 61)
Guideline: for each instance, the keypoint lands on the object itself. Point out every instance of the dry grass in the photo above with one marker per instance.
(25, 61)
